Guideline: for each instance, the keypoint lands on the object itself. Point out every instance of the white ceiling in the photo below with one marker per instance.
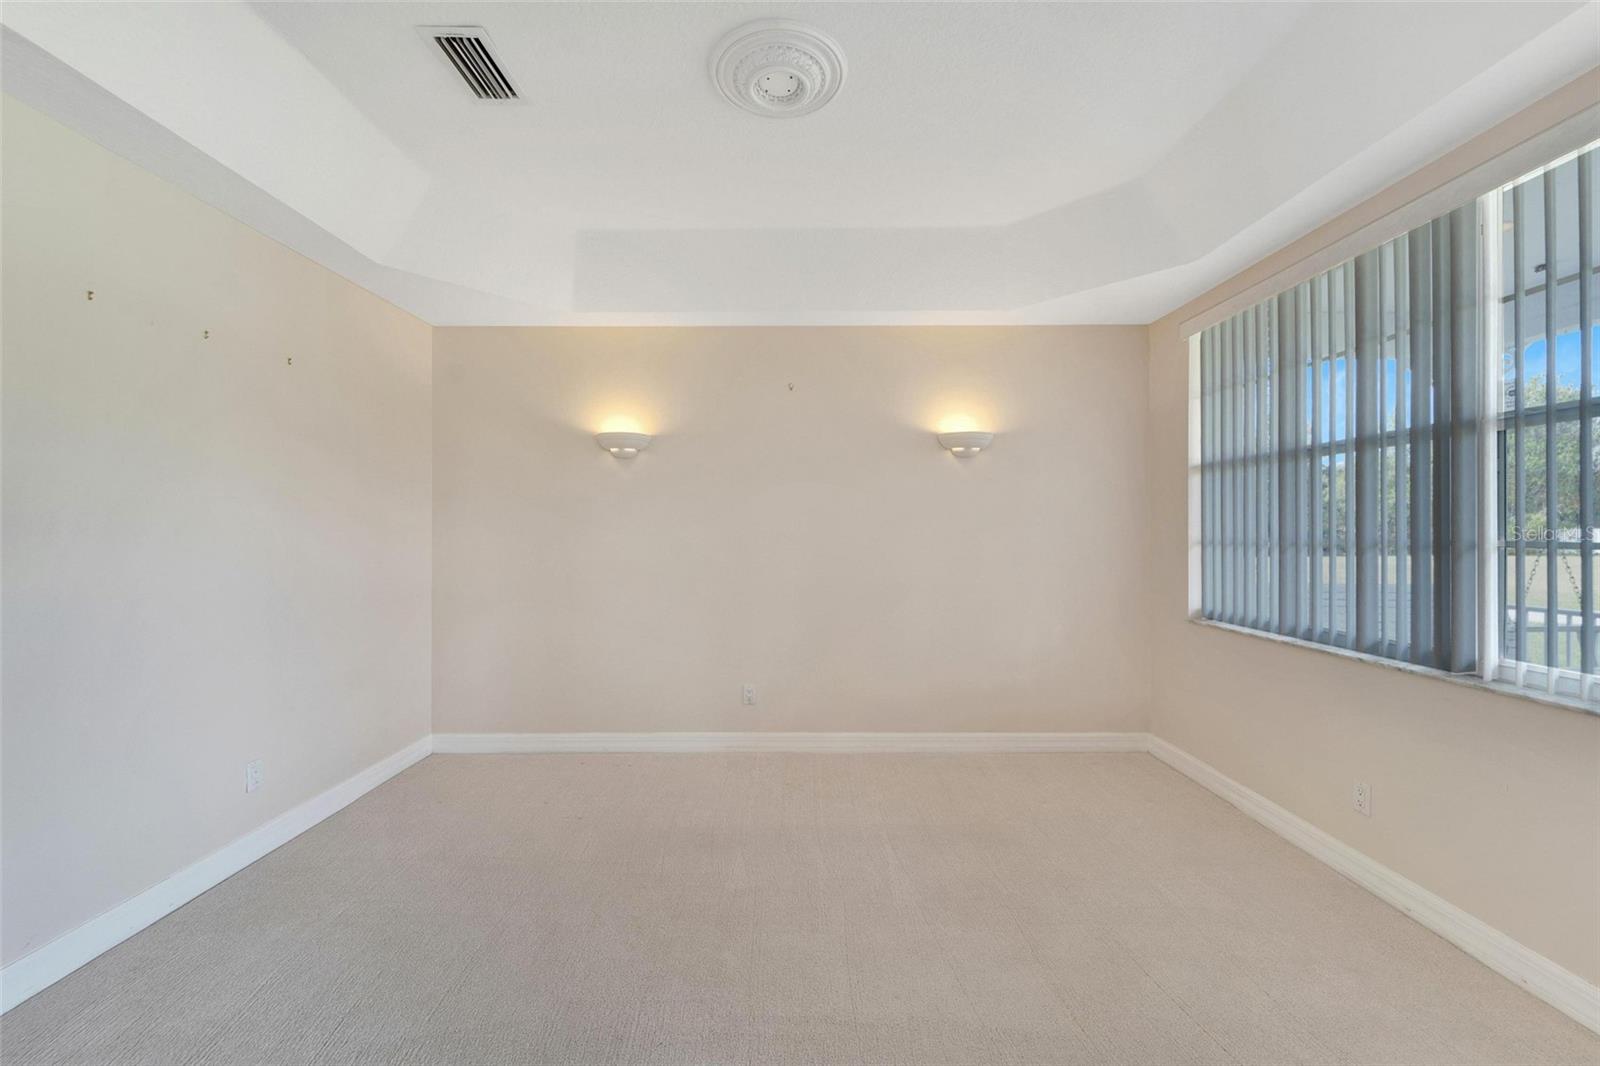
(982, 163)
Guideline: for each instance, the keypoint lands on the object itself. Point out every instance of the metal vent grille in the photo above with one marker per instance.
(468, 52)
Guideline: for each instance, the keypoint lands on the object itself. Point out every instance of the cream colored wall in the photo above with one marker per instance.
(1491, 801)
(794, 526)
(210, 555)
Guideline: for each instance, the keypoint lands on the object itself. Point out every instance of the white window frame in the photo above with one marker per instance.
(1525, 677)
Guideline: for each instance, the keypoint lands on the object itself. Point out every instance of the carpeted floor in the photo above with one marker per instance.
(788, 908)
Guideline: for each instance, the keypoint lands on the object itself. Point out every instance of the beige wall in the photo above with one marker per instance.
(1491, 801)
(209, 555)
(794, 526)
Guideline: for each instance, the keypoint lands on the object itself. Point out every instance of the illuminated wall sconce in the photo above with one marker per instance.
(967, 442)
(623, 445)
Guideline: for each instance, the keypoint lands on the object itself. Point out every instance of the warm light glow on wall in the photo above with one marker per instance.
(958, 424)
(957, 409)
(620, 424)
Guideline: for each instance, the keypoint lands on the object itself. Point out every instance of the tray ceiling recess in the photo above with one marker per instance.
(777, 68)
(571, 164)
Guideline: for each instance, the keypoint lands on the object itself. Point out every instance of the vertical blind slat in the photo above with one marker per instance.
(1314, 336)
(1402, 458)
(1385, 471)
(1552, 588)
(1585, 408)
(1252, 535)
(1464, 424)
(1368, 439)
(1241, 491)
(1208, 535)
(1301, 400)
(1283, 433)
(1224, 381)
(1330, 418)
(1421, 256)
(1348, 349)
(1443, 351)
(1265, 611)
(1230, 529)
(1552, 596)
(1519, 491)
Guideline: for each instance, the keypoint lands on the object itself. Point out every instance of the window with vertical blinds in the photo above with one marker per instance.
(1339, 472)
(1545, 445)
(1401, 455)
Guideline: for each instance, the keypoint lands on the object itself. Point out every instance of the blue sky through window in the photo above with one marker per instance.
(1332, 383)
(1569, 357)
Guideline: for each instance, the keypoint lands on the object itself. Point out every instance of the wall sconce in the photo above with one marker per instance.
(623, 445)
(967, 442)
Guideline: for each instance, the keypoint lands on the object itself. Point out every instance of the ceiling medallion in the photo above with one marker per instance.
(777, 68)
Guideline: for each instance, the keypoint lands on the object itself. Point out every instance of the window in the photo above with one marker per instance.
(1363, 434)
(1546, 439)
(1334, 461)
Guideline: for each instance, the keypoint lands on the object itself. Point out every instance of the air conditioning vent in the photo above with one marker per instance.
(467, 50)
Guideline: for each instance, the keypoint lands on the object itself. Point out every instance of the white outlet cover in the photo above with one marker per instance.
(252, 775)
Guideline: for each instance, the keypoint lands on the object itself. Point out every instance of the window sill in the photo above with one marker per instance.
(1499, 687)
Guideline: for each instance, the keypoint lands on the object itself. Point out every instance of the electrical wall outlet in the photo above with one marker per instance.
(252, 775)
(1363, 798)
(748, 696)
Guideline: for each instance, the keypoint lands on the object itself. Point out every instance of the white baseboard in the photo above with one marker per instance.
(1557, 986)
(50, 963)
(487, 743)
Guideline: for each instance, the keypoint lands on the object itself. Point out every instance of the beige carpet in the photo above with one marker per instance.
(788, 908)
